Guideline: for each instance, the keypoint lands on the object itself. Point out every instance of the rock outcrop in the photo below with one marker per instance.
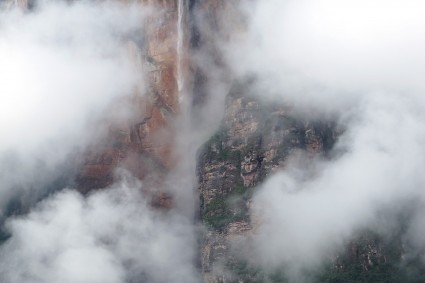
(255, 140)
(143, 143)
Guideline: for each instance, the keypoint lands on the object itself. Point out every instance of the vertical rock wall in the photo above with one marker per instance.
(143, 143)
(255, 140)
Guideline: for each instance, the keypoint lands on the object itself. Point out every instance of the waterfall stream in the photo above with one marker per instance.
(180, 52)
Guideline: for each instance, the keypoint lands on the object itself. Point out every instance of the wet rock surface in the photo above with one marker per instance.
(255, 140)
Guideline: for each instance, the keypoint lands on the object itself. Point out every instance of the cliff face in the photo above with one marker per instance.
(255, 140)
(143, 142)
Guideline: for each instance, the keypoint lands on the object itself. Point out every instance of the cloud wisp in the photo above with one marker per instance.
(361, 62)
(62, 65)
(111, 236)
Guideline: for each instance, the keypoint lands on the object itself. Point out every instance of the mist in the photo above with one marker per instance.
(330, 54)
(66, 70)
(359, 62)
(111, 236)
(62, 65)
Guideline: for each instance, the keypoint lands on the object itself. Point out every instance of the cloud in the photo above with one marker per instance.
(328, 54)
(306, 221)
(360, 61)
(61, 66)
(112, 236)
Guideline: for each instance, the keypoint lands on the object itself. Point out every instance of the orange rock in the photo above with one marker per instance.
(143, 143)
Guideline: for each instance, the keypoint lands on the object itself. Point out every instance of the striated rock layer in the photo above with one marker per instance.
(255, 140)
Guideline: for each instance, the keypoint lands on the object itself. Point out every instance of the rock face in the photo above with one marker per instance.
(143, 143)
(255, 140)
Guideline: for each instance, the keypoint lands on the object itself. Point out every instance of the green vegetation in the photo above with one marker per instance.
(366, 266)
(230, 206)
(371, 260)
(220, 212)
(354, 272)
(238, 190)
(243, 271)
(227, 209)
(213, 149)
(229, 154)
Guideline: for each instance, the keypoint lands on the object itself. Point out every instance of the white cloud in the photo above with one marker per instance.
(328, 53)
(362, 62)
(61, 66)
(111, 236)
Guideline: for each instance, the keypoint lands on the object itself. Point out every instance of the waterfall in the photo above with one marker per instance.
(180, 51)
